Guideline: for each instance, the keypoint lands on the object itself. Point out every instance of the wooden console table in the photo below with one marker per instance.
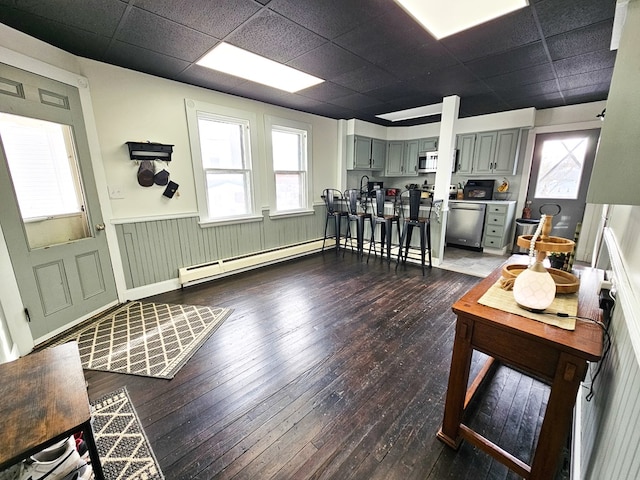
(558, 357)
(44, 400)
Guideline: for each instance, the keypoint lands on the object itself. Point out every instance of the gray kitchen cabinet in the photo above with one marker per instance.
(506, 152)
(395, 159)
(411, 157)
(485, 152)
(498, 225)
(466, 145)
(488, 152)
(402, 158)
(428, 144)
(378, 153)
(364, 153)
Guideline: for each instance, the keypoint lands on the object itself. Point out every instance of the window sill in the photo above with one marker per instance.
(205, 223)
(291, 213)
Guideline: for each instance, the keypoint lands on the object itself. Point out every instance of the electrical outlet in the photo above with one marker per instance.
(115, 192)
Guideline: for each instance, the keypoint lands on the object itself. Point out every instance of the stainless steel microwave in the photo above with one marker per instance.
(427, 162)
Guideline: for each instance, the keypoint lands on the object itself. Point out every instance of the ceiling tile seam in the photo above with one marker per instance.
(480, 79)
(543, 39)
(258, 12)
(66, 25)
(125, 14)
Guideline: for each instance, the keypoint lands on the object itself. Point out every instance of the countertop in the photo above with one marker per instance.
(486, 202)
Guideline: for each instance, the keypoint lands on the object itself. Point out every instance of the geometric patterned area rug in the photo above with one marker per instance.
(148, 339)
(124, 450)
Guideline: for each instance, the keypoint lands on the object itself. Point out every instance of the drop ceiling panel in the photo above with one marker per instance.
(589, 62)
(273, 36)
(534, 74)
(327, 61)
(506, 33)
(330, 18)
(217, 18)
(155, 33)
(584, 40)
(98, 16)
(374, 57)
(326, 91)
(142, 60)
(559, 16)
(520, 58)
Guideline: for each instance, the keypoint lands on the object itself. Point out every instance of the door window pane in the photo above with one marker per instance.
(42, 161)
(560, 169)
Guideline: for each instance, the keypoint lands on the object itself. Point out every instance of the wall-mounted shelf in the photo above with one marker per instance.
(150, 151)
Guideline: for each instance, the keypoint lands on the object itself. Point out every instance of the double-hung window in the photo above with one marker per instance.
(221, 148)
(290, 161)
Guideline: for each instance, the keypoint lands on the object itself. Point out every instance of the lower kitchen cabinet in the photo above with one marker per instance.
(498, 225)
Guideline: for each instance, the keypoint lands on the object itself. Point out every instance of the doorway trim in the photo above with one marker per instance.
(18, 327)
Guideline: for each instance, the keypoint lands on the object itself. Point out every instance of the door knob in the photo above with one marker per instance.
(100, 226)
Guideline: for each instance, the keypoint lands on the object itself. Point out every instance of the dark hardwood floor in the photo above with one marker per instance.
(328, 368)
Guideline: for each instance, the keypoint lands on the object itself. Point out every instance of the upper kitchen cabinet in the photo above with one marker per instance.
(364, 153)
(428, 144)
(402, 158)
(488, 152)
(378, 153)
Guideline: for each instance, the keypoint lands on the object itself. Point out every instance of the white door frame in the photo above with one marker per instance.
(16, 321)
(592, 215)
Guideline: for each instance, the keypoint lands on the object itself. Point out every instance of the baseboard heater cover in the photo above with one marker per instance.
(219, 268)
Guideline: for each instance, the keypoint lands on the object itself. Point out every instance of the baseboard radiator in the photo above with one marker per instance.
(221, 268)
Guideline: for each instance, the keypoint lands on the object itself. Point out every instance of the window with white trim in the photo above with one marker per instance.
(289, 150)
(221, 148)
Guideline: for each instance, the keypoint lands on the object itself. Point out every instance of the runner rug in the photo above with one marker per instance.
(124, 450)
(148, 339)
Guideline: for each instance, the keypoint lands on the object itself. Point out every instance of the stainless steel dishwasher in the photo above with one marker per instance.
(465, 224)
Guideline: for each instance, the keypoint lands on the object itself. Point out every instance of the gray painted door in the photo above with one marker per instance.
(560, 173)
(65, 280)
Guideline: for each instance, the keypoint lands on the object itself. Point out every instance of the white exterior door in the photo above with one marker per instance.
(50, 213)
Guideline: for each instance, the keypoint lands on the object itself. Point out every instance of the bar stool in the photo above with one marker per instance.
(386, 222)
(357, 206)
(331, 197)
(423, 223)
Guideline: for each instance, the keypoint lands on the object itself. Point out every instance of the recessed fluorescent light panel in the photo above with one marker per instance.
(241, 63)
(443, 18)
(418, 112)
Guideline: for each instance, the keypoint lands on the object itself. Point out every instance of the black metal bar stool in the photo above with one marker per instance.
(386, 222)
(415, 220)
(332, 198)
(357, 206)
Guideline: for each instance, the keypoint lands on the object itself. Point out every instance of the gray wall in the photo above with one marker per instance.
(152, 251)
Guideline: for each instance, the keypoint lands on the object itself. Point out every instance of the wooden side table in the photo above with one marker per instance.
(44, 400)
(558, 357)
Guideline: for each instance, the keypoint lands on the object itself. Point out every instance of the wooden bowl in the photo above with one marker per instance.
(565, 282)
(551, 244)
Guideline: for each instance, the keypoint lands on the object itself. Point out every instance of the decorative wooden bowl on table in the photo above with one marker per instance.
(565, 282)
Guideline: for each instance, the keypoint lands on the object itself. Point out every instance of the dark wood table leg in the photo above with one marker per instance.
(96, 465)
(457, 387)
(558, 416)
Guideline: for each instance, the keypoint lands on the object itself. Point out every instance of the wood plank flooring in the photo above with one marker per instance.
(328, 368)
